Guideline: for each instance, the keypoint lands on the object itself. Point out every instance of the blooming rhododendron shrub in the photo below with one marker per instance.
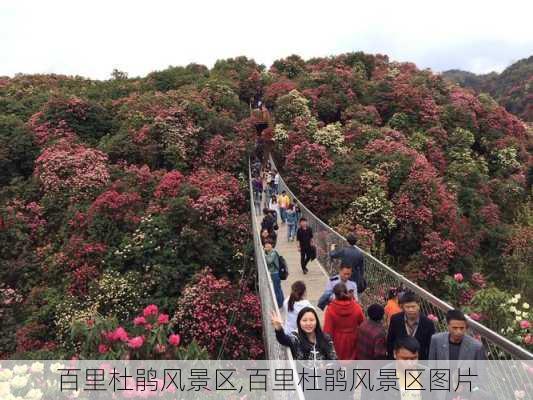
(169, 185)
(276, 90)
(219, 193)
(308, 158)
(373, 210)
(73, 169)
(223, 318)
(331, 136)
(30, 338)
(88, 120)
(177, 133)
(290, 106)
(437, 254)
(48, 132)
(225, 155)
(116, 206)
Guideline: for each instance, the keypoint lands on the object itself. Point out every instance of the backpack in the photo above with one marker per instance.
(283, 270)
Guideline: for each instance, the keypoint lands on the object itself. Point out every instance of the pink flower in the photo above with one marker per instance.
(150, 310)
(148, 327)
(160, 348)
(528, 339)
(163, 319)
(458, 277)
(102, 348)
(136, 342)
(475, 316)
(433, 317)
(174, 340)
(525, 324)
(119, 334)
(139, 321)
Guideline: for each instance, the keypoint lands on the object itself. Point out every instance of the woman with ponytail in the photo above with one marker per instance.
(341, 321)
(293, 305)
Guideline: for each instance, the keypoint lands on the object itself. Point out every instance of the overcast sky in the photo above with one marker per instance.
(93, 37)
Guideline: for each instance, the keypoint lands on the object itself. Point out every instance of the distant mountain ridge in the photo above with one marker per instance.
(513, 88)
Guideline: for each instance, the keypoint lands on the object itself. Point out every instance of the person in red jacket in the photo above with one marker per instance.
(341, 321)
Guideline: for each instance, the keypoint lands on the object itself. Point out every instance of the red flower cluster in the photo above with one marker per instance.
(116, 206)
(169, 185)
(219, 194)
(73, 169)
(222, 154)
(437, 254)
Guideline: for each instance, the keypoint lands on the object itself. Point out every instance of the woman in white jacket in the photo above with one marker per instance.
(293, 305)
(273, 205)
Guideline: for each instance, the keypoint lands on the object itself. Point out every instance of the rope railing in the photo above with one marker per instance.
(381, 277)
(274, 351)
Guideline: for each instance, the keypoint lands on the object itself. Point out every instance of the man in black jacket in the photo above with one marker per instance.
(410, 322)
(353, 257)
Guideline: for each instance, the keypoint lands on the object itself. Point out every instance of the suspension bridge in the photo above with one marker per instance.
(380, 278)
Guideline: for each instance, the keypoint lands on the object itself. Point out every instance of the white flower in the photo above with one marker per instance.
(4, 390)
(518, 296)
(6, 374)
(518, 318)
(514, 300)
(20, 369)
(54, 367)
(34, 394)
(526, 306)
(37, 367)
(19, 381)
(513, 309)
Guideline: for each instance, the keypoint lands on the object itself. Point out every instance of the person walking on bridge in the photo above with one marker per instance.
(353, 257)
(455, 344)
(276, 182)
(257, 185)
(283, 201)
(304, 236)
(341, 321)
(345, 272)
(410, 322)
(272, 259)
(371, 336)
(291, 222)
(293, 305)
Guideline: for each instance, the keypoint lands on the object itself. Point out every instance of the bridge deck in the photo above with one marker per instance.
(315, 280)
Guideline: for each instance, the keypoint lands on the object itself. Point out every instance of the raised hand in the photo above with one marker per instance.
(276, 321)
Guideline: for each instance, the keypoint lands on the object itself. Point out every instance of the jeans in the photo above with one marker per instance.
(283, 212)
(291, 231)
(325, 299)
(276, 282)
(257, 198)
(305, 257)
